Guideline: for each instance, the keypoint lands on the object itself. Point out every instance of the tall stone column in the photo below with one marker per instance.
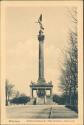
(41, 57)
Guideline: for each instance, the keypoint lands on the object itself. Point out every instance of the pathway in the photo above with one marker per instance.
(40, 112)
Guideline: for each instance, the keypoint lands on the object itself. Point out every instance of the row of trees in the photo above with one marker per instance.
(69, 71)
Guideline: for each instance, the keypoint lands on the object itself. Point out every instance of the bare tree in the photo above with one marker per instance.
(69, 77)
(17, 94)
(8, 91)
(73, 14)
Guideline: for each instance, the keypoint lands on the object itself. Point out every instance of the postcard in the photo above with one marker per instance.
(41, 62)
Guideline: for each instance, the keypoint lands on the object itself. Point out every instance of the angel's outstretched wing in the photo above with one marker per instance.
(40, 18)
(40, 22)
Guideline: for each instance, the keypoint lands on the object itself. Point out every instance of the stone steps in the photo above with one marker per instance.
(49, 101)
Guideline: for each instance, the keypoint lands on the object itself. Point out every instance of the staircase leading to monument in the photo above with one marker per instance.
(40, 101)
(49, 101)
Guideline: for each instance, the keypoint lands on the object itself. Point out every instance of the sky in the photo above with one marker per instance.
(22, 44)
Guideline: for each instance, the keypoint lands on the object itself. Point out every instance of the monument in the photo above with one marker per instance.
(41, 86)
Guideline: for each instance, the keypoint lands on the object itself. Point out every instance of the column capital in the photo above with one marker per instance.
(41, 36)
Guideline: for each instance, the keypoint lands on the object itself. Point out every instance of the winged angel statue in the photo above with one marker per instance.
(40, 23)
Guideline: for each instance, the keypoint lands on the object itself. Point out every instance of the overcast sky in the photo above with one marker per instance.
(22, 44)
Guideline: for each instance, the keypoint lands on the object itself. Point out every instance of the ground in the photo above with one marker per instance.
(40, 111)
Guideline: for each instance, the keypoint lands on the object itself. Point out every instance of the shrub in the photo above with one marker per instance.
(20, 100)
(59, 99)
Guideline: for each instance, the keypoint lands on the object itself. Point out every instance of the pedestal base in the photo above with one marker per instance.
(41, 90)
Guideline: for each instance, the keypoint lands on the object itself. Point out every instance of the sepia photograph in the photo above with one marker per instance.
(42, 77)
